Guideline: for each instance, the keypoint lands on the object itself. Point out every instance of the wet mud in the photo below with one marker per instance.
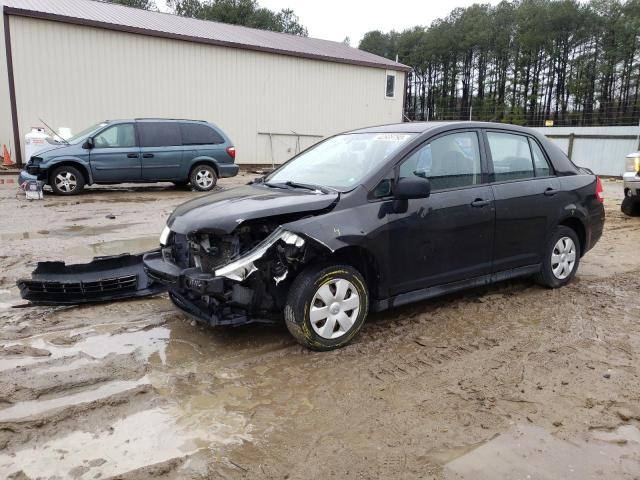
(506, 381)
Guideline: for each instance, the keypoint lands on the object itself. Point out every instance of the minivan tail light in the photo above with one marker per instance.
(232, 152)
(599, 190)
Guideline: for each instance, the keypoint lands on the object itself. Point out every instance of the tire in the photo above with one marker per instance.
(66, 180)
(562, 248)
(631, 206)
(203, 178)
(333, 283)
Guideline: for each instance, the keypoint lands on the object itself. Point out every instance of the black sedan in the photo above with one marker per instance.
(380, 217)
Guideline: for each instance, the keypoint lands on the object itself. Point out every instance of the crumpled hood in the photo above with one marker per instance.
(222, 212)
(48, 149)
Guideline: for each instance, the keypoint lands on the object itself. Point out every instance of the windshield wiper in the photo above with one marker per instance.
(305, 186)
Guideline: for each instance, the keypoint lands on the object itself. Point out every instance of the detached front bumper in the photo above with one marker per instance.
(631, 184)
(213, 300)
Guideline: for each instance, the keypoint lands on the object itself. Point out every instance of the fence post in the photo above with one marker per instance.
(570, 149)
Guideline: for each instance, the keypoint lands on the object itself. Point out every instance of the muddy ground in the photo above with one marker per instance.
(511, 381)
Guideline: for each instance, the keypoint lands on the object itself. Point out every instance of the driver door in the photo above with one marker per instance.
(115, 156)
(448, 236)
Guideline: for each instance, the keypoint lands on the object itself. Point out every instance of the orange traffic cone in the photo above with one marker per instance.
(6, 158)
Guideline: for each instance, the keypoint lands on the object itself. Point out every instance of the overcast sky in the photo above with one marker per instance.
(337, 19)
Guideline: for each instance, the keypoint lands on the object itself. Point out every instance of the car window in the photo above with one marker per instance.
(118, 136)
(511, 156)
(540, 163)
(199, 134)
(159, 134)
(449, 161)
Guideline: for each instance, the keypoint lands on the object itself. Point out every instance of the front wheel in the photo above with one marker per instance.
(326, 306)
(561, 258)
(203, 178)
(66, 180)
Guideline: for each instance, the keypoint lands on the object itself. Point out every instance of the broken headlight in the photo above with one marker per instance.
(164, 236)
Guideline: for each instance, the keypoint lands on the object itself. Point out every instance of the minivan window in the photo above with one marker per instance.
(79, 137)
(199, 134)
(159, 134)
(511, 156)
(450, 161)
(119, 136)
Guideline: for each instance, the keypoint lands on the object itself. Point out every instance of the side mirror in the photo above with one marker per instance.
(88, 144)
(412, 187)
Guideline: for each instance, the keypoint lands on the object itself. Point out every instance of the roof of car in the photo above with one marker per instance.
(422, 127)
(133, 20)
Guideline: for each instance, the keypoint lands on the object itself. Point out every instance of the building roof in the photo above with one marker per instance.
(117, 17)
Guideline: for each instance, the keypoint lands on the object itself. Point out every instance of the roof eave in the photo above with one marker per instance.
(187, 38)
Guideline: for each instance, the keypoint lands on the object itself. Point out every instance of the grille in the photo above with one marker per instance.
(128, 282)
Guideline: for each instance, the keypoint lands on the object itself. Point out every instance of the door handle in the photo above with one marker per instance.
(551, 191)
(147, 155)
(133, 155)
(479, 203)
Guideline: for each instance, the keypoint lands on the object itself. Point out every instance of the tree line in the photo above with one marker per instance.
(523, 62)
(238, 12)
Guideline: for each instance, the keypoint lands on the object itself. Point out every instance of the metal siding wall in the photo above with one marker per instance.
(603, 156)
(6, 131)
(74, 76)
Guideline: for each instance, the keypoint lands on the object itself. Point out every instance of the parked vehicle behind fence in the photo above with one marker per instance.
(376, 218)
(136, 151)
(631, 177)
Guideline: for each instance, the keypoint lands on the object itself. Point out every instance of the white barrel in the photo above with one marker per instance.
(35, 141)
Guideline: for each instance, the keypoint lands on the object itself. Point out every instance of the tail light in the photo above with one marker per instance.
(232, 152)
(599, 190)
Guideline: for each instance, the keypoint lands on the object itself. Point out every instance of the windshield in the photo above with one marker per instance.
(341, 162)
(85, 133)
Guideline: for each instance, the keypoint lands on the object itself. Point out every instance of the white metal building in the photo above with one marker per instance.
(76, 62)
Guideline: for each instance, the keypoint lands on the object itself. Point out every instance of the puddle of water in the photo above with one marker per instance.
(532, 452)
(115, 247)
(144, 438)
(69, 231)
(143, 342)
(30, 408)
(621, 435)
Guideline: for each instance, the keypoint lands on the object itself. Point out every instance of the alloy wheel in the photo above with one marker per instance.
(563, 258)
(204, 178)
(334, 308)
(66, 182)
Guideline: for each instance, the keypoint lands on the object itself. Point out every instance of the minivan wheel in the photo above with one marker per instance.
(326, 306)
(66, 180)
(562, 257)
(203, 178)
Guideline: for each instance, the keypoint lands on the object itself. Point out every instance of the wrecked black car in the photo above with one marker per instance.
(376, 218)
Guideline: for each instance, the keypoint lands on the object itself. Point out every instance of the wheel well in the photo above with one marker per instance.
(79, 166)
(577, 226)
(211, 163)
(363, 261)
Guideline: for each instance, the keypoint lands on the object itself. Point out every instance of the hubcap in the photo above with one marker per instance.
(563, 258)
(66, 181)
(334, 308)
(204, 178)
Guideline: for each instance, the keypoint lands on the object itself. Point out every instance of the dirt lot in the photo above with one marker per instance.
(510, 381)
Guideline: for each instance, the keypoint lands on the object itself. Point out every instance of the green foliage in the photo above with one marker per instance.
(240, 12)
(143, 4)
(523, 61)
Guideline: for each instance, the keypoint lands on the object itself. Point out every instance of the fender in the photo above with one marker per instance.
(83, 165)
(199, 160)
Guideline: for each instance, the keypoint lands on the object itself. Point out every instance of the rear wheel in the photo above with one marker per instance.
(67, 180)
(631, 206)
(326, 306)
(203, 178)
(562, 257)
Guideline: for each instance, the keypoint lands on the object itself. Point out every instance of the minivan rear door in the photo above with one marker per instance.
(161, 149)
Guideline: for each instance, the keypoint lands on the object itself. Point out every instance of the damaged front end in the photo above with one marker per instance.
(230, 279)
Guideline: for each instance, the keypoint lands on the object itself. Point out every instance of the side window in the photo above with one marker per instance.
(511, 156)
(199, 134)
(450, 161)
(540, 163)
(159, 134)
(390, 90)
(118, 136)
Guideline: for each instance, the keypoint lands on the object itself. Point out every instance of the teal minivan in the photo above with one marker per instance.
(136, 151)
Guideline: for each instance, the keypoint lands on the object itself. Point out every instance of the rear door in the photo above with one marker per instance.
(115, 156)
(527, 198)
(162, 150)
